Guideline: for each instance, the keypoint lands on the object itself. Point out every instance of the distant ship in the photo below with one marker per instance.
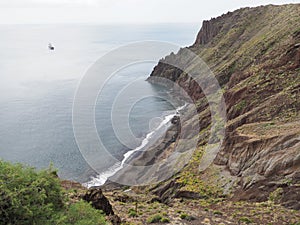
(50, 46)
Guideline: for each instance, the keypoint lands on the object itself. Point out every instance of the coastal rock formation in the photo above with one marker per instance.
(255, 56)
(210, 28)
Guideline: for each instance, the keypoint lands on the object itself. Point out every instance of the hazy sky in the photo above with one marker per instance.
(119, 11)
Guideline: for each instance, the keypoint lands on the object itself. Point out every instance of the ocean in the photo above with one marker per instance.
(38, 87)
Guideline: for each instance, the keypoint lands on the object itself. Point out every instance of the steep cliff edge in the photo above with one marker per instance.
(255, 56)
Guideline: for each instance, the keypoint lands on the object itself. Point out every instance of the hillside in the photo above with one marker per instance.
(255, 55)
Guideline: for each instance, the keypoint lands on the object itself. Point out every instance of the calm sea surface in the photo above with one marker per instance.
(38, 86)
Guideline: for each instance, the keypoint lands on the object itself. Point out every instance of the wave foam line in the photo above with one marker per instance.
(100, 179)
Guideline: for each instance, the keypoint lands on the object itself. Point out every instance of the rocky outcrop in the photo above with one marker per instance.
(98, 200)
(210, 28)
(285, 192)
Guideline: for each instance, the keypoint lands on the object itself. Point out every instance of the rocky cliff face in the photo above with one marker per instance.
(210, 29)
(255, 56)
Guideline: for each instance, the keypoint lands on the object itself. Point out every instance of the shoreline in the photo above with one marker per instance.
(140, 155)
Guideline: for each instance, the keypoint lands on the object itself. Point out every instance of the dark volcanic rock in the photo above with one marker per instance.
(167, 192)
(98, 200)
(175, 120)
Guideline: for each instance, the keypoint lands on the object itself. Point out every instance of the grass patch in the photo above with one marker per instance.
(245, 220)
(158, 219)
(132, 213)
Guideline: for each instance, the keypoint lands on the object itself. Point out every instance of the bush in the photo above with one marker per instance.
(81, 213)
(132, 213)
(158, 218)
(276, 195)
(187, 217)
(154, 219)
(26, 196)
(165, 220)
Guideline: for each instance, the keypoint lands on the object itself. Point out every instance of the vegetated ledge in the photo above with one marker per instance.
(255, 56)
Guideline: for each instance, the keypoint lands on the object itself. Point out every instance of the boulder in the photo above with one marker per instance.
(98, 200)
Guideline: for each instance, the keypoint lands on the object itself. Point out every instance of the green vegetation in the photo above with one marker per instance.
(30, 197)
(218, 213)
(191, 179)
(81, 213)
(187, 217)
(154, 219)
(245, 220)
(132, 213)
(241, 105)
(183, 216)
(158, 218)
(275, 195)
(165, 220)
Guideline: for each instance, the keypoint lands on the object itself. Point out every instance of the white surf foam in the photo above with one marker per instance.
(101, 178)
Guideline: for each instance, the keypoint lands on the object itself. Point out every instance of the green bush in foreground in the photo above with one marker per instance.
(30, 197)
(26, 196)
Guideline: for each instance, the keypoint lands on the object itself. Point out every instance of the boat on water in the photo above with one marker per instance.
(50, 46)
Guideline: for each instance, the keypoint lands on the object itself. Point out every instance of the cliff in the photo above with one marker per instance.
(254, 54)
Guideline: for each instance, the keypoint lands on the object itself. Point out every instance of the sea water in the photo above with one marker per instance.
(38, 86)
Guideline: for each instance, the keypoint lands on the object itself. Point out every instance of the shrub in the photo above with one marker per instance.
(276, 195)
(81, 213)
(26, 196)
(132, 213)
(187, 217)
(154, 219)
(158, 218)
(165, 220)
(183, 216)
